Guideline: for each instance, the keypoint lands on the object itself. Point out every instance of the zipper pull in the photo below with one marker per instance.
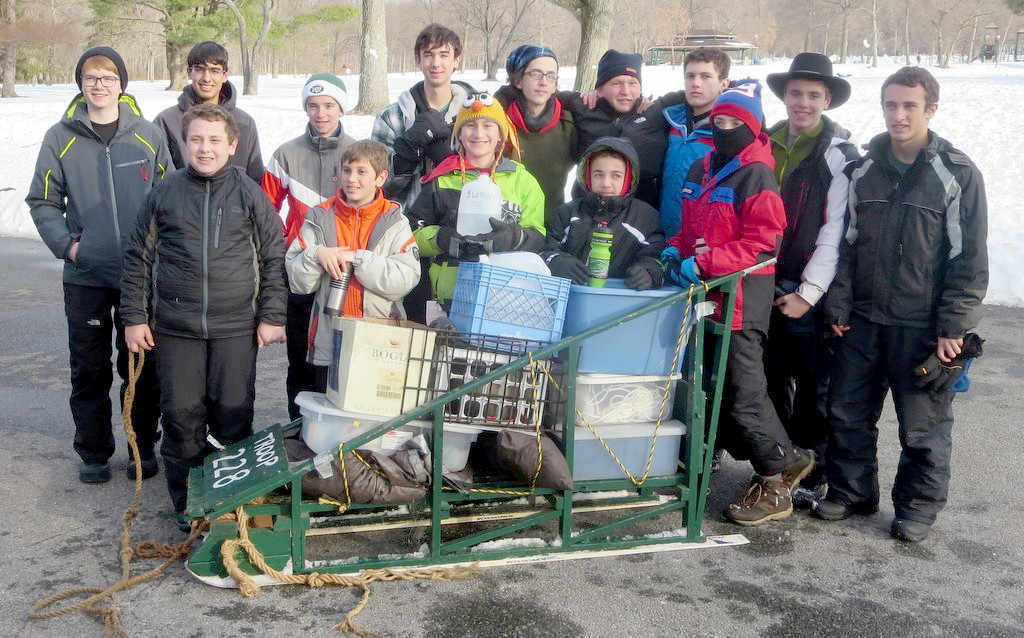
(216, 232)
(899, 249)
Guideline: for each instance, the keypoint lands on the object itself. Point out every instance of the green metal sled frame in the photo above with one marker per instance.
(284, 545)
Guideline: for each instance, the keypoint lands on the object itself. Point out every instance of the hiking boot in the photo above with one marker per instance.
(765, 500)
(909, 531)
(149, 468)
(183, 522)
(803, 463)
(806, 497)
(836, 510)
(94, 472)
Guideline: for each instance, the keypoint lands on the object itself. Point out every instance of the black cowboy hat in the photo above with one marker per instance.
(811, 66)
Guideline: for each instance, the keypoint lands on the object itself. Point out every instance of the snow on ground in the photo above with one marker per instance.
(977, 113)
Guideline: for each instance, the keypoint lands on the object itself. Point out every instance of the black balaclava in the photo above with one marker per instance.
(728, 144)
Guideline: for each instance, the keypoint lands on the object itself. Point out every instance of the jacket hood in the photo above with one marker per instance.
(619, 145)
(188, 97)
(320, 143)
(78, 111)
(878, 147)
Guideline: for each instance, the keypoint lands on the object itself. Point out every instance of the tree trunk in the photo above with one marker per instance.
(243, 45)
(874, 33)
(906, 24)
(846, 38)
(974, 36)
(252, 83)
(175, 68)
(373, 78)
(596, 25)
(10, 71)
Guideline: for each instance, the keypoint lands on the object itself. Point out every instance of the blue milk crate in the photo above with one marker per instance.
(503, 302)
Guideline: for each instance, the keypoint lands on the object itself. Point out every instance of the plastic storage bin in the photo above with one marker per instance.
(643, 346)
(503, 302)
(614, 399)
(457, 439)
(511, 400)
(631, 444)
(324, 426)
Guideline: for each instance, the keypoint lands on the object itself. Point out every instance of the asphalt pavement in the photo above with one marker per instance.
(797, 577)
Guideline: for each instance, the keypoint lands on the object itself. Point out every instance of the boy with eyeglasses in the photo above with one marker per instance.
(207, 68)
(95, 168)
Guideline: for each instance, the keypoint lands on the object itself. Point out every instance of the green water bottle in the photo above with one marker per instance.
(600, 256)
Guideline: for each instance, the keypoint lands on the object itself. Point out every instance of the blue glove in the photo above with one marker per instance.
(688, 271)
(671, 253)
(682, 272)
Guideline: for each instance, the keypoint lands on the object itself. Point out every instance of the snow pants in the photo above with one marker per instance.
(300, 372)
(797, 364)
(869, 360)
(92, 321)
(749, 427)
(206, 386)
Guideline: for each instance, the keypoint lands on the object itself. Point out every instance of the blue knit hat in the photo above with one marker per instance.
(743, 102)
(521, 57)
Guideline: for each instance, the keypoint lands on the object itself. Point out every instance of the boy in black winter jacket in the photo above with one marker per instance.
(608, 176)
(205, 267)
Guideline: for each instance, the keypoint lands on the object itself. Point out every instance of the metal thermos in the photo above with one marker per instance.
(336, 295)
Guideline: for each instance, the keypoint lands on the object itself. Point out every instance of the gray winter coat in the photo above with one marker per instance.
(247, 156)
(83, 190)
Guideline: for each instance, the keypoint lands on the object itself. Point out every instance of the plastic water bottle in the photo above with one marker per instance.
(336, 295)
(600, 257)
(480, 201)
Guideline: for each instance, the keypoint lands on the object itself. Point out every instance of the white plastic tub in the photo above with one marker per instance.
(605, 399)
(457, 439)
(325, 426)
(631, 444)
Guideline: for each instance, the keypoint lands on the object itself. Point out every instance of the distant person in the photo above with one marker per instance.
(913, 271)
(545, 127)
(208, 72)
(94, 170)
(418, 130)
(608, 176)
(705, 75)
(811, 153)
(305, 172)
(732, 219)
(203, 286)
(358, 230)
(482, 135)
(618, 114)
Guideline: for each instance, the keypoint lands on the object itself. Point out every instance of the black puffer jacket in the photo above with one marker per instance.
(634, 224)
(648, 131)
(915, 250)
(210, 251)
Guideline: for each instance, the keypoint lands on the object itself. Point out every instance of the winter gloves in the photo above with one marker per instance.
(567, 266)
(934, 376)
(428, 137)
(454, 245)
(502, 238)
(683, 272)
(640, 277)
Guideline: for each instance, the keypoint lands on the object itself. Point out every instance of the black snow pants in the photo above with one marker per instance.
(206, 386)
(301, 376)
(797, 364)
(870, 359)
(92, 321)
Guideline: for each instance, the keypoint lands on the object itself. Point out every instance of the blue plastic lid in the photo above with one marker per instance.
(617, 287)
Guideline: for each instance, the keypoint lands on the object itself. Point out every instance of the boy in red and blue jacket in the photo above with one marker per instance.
(732, 219)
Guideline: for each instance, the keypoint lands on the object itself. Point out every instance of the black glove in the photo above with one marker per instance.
(429, 136)
(639, 277)
(454, 245)
(934, 376)
(503, 238)
(567, 266)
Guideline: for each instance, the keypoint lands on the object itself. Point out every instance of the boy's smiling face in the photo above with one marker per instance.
(480, 137)
(209, 147)
(359, 182)
(607, 175)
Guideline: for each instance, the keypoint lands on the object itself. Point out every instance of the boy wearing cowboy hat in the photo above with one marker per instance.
(810, 153)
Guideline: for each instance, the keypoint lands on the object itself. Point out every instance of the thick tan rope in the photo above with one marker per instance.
(363, 579)
(111, 614)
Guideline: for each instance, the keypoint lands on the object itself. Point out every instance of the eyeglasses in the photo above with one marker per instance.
(537, 74)
(107, 81)
(212, 71)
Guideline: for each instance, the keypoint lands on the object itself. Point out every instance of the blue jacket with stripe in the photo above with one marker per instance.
(685, 147)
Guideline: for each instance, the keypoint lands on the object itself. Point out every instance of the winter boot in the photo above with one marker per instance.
(765, 500)
(183, 522)
(94, 472)
(909, 531)
(803, 463)
(149, 468)
(836, 510)
(805, 497)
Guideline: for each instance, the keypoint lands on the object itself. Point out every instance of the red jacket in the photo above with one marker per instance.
(740, 217)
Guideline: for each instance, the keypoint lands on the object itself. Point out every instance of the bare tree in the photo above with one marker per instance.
(498, 21)
(250, 58)
(874, 33)
(10, 49)
(373, 66)
(845, 8)
(595, 17)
